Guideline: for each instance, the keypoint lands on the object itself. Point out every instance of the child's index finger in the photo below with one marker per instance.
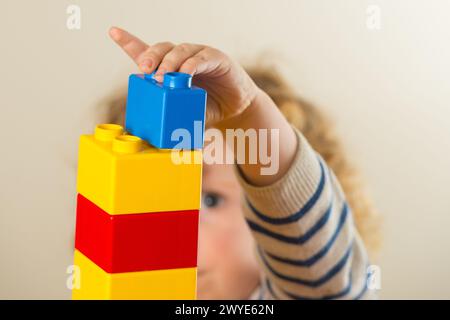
(131, 44)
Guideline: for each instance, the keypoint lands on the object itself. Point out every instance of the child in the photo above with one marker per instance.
(288, 235)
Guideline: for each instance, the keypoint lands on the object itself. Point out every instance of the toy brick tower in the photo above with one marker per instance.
(138, 204)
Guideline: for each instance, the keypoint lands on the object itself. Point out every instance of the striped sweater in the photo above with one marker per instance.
(306, 241)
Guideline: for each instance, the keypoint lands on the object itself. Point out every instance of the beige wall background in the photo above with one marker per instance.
(388, 91)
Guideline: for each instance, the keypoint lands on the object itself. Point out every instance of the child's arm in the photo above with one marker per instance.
(306, 240)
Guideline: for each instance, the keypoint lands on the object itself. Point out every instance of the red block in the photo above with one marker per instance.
(136, 242)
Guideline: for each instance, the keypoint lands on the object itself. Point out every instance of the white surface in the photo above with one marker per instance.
(388, 91)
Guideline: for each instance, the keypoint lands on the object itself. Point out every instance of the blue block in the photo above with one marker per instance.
(154, 111)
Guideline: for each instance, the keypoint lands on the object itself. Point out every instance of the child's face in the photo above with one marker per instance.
(227, 268)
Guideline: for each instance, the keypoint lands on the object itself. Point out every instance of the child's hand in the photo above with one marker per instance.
(230, 89)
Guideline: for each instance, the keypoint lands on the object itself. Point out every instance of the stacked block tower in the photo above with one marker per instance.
(137, 203)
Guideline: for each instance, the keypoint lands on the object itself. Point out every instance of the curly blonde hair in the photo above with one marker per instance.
(318, 131)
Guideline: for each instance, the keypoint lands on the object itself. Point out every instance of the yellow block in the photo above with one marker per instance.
(96, 284)
(122, 174)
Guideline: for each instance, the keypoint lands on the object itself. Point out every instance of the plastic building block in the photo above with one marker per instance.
(155, 110)
(174, 284)
(136, 242)
(122, 174)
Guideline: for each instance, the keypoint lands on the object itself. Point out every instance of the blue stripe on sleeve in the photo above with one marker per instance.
(312, 283)
(300, 240)
(322, 252)
(299, 214)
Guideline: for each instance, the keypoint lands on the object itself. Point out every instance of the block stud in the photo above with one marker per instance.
(127, 144)
(108, 131)
(177, 80)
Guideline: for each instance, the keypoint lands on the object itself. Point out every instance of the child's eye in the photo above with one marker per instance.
(211, 200)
